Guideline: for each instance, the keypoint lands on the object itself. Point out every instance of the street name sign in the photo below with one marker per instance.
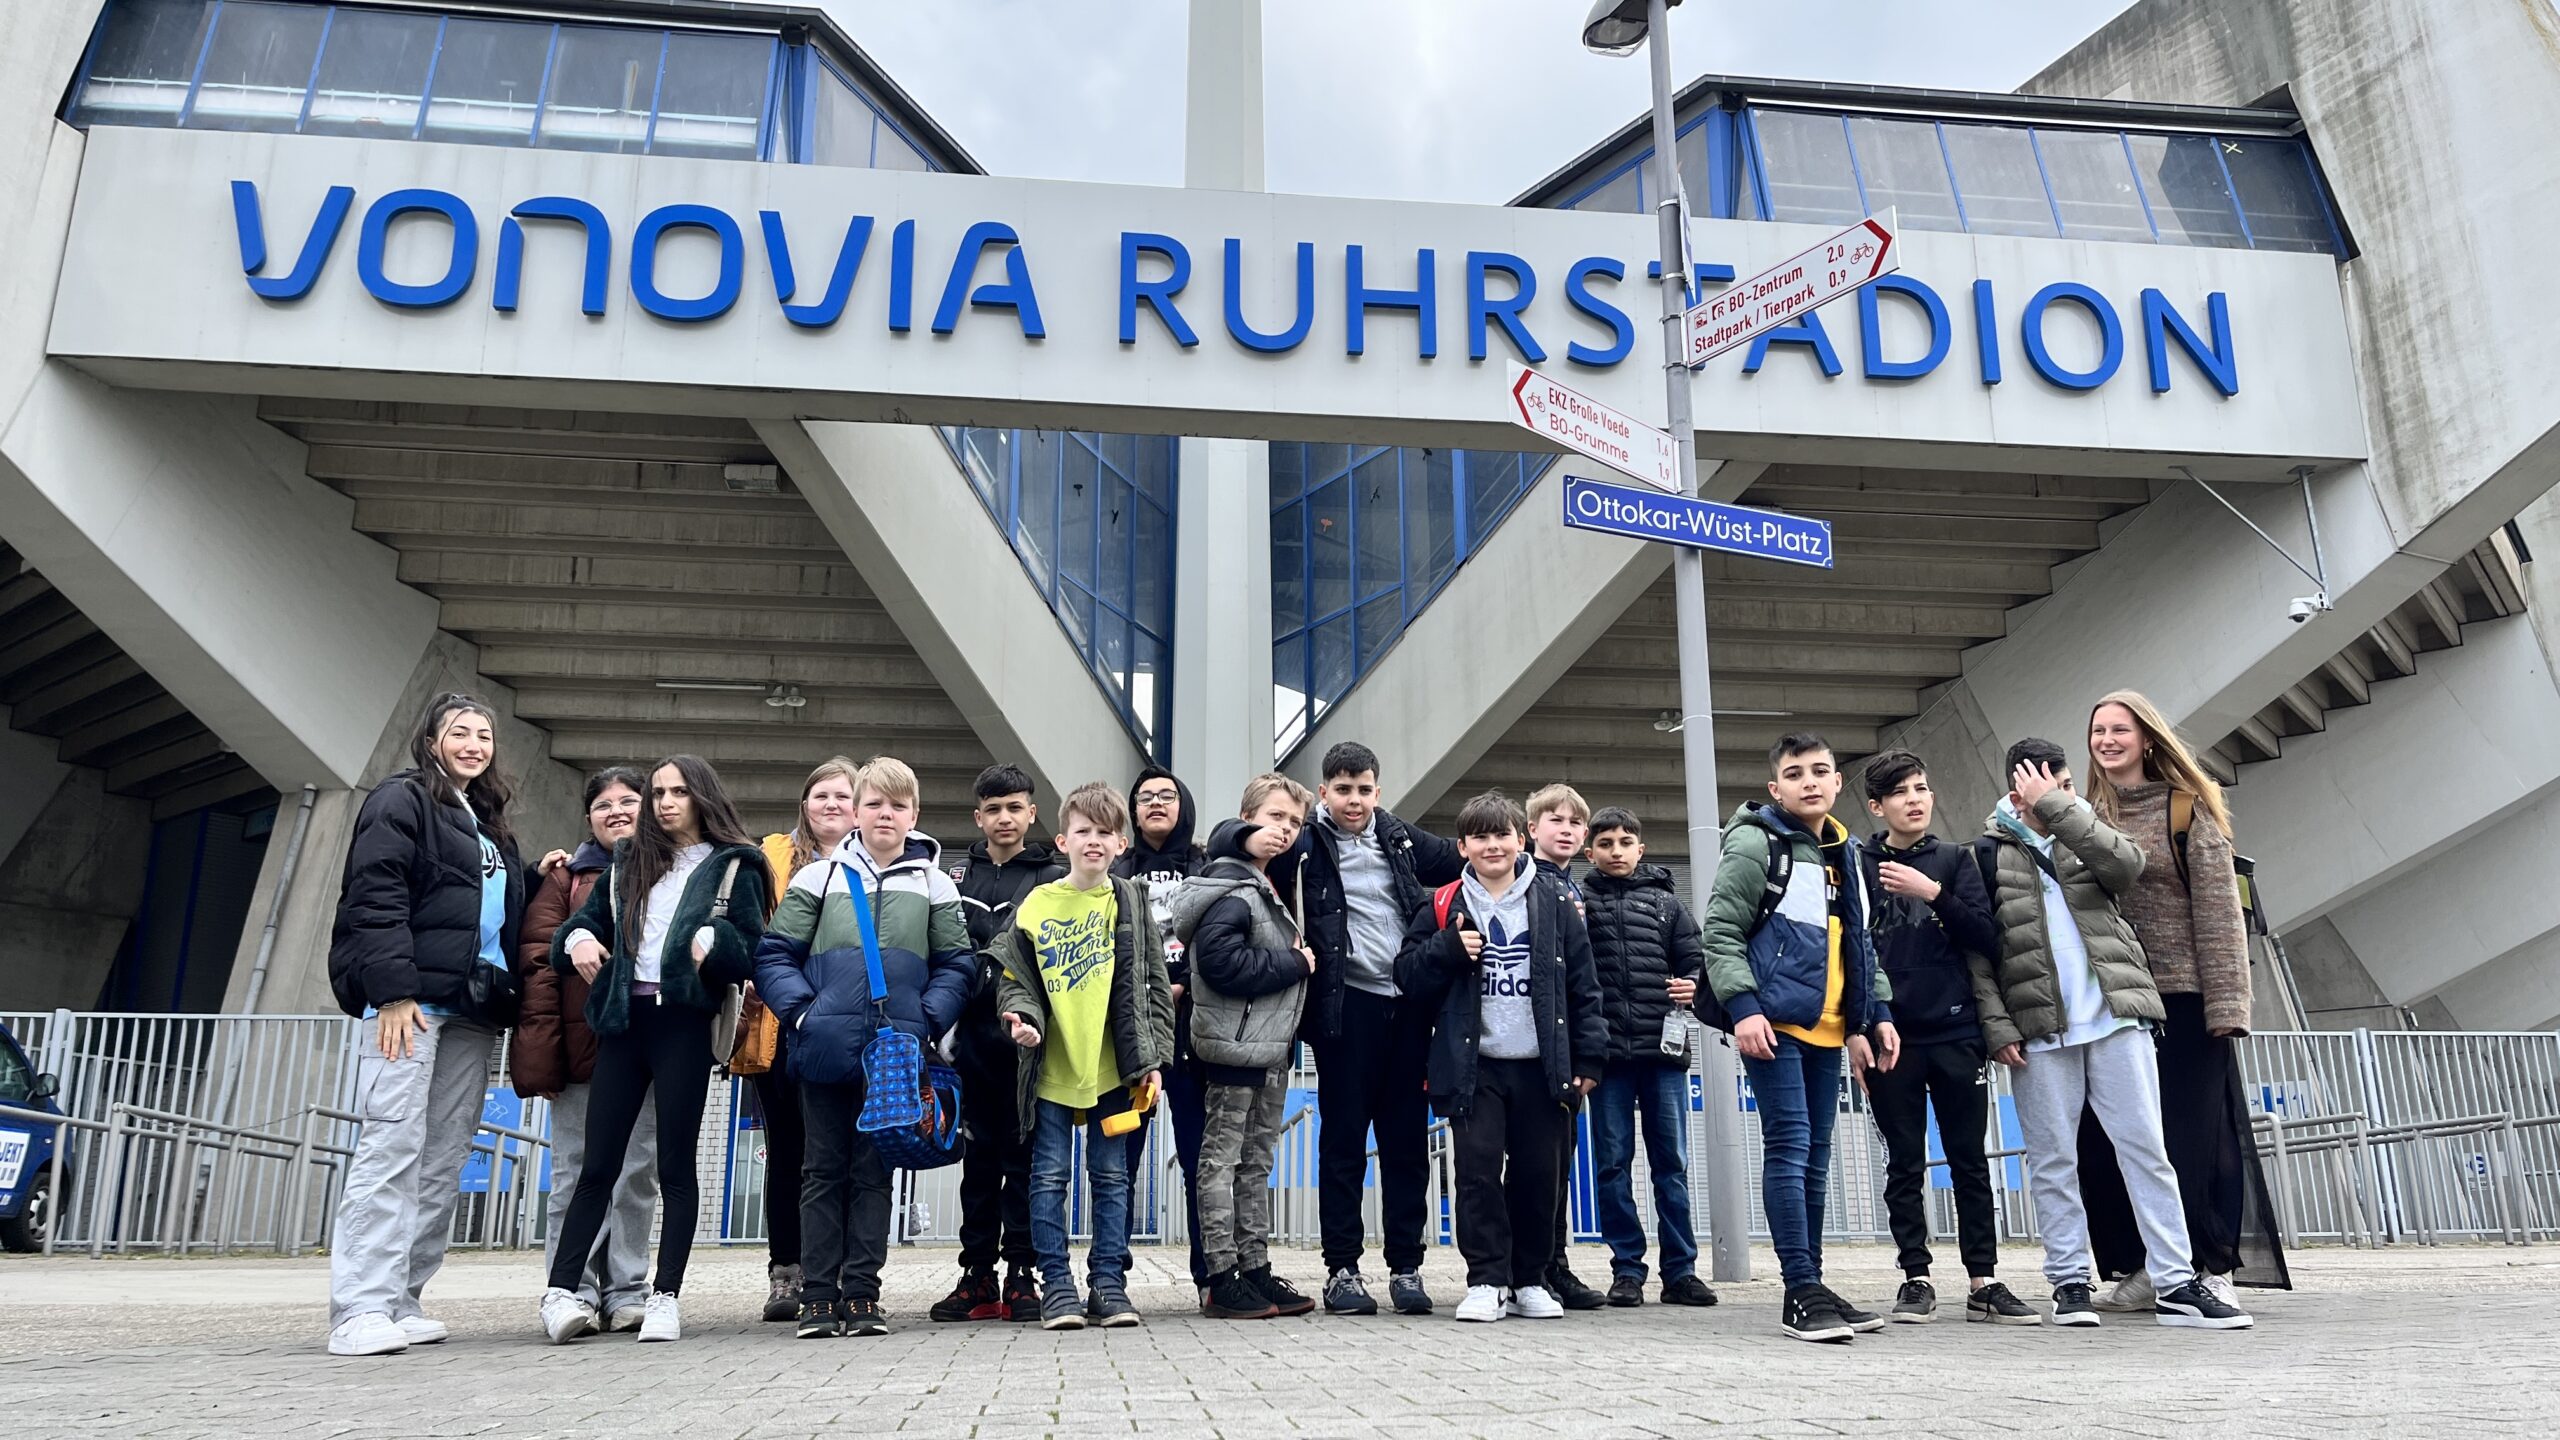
(1585, 426)
(1699, 524)
(1793, 287)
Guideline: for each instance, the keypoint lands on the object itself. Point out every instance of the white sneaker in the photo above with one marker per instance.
(624, 1318)
(2131, 1296)
(1483, 1302)
(1533, 1302)
(664, 1321)
(422, 1329)
(565, 1317)
(2224, 1291)
(368, 1334)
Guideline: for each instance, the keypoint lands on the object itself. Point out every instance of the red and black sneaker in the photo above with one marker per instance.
(974, 1298)
(1021, 1297)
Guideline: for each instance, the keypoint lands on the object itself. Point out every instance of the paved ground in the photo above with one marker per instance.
(2406, 1342)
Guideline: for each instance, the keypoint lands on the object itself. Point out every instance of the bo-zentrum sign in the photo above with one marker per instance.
(300, 264)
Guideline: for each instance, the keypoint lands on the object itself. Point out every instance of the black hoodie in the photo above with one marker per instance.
(1161, 868)
(1922, 944)
(987, 891)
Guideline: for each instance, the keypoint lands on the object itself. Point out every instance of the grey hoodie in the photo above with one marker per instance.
(1508, 1020)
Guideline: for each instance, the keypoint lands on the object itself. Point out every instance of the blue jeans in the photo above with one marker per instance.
(1661, 1090)
(1106, 1159)
(1798, 1093)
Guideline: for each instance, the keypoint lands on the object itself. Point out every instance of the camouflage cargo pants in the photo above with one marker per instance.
(1240, 1125)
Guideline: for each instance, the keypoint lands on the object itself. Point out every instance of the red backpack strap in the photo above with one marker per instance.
(1441, 899)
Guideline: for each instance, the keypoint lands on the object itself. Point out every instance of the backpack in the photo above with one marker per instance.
(2182, 818)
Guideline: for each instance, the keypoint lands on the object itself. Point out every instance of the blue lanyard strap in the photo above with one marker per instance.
(870, 933)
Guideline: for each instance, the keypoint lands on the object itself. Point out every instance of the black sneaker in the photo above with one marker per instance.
(1627, 1291)
(1285, 1298)
(1916, 1303)
(1809, 1315)
(2072, 1306)
(2193, 1307)
(1687, 1290)
(818, 1320)
(1570, 1292)
(1061, 1308)
(974, 1298)
(1345, 1293)
(1021, 1296)
(1405, 1292)
(1993, 1303)
(863, 1317)
(1863, 1321)
(1233, 1297)
(1111, 1308)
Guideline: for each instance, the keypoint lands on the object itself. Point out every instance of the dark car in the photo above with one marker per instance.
(26, 1150)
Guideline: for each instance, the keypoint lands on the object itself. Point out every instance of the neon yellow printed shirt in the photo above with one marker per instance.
(1070, 930)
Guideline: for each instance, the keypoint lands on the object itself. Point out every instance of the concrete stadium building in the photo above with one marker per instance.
(659, 369)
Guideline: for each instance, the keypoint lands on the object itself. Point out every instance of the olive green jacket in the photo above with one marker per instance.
(2018, 993)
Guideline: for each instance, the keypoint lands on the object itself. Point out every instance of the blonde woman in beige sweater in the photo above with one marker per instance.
(2145, 782)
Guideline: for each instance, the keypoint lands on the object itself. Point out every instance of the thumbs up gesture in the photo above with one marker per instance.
(1470, 939)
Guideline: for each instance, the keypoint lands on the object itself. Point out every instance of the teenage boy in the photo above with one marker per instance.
(1249, 968)
(1645, 950)
(1085, 997)
(1004, 865)
(812, 970)
(1558, 819)
(1930, 913)
(1161, 857)
(1361, 873)
(2069, 1005)
(1790, 959)
(1504, 961)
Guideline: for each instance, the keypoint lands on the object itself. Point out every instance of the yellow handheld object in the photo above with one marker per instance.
(1140, 1102)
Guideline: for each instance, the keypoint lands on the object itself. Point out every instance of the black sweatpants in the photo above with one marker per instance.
(1947, 1076)
(1370, 1076)
(1505, 1149)
(668, 1046)
(844, 1200)
(785, 1151)
(995, 1172)
(1570, 1142)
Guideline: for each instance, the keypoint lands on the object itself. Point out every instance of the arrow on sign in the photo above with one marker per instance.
(1793, 287)
(1585, 426)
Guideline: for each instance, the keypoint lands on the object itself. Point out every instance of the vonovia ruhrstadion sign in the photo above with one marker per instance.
(386, 269)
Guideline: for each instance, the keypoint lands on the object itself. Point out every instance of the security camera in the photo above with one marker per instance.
(2304, 607)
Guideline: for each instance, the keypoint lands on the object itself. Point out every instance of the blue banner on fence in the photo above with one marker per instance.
(1642, 513)
(501, 1106)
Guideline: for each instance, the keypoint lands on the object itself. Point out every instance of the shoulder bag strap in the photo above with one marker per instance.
(720, 902)
(2182, 818)
(870, 940)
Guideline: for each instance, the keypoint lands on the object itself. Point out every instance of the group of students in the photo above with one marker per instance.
(1073, 982)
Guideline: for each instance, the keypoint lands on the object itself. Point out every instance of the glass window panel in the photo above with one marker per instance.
(1997, 174)
(1379, 493)
(1332, 659)
(1902, 166)
(1806, 158)
(488, 80)
(1159, 459)
(1289, 569)
(1075, 611)
(372, 74)
(258, 67)
(1152, 604)
(1493, 482)
(1035, 528)
(2277, 193)
(1326, 461)
(1623, 194)
(1288, 693)
(1111, 655)
(2190, 201)
(842, 126)
(602, 85)
(2093, 185)
(895, 152)
(1113, 525)
(1288, 471)
(1078, 497)
(711, 102)
(1120, 452)
(1150, 684)
(1430, 522)
(989, 455)
(144, 59)
(1329, 547)
(1381, 620)
(1691, 151)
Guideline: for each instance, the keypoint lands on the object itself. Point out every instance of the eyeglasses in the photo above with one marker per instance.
(608, 807)
(1159, 797)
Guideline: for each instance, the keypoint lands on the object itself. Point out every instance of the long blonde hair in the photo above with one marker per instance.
(803, 848)
(2164, 757)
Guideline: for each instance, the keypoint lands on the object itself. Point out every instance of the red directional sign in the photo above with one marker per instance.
(1584, 425)
(1793, 287)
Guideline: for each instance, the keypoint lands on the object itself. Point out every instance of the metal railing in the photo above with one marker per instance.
(197, 1133)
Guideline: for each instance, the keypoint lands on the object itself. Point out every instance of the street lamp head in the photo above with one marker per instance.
(1617, 27)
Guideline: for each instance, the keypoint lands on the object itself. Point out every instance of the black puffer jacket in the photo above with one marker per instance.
(1922, 944)
(1161, 869)
(1433, 970)
(1641, 937)
(408, 924)
(1421, 862)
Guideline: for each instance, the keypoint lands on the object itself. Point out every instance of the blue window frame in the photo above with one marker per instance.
(1091, 519)
(842, 125)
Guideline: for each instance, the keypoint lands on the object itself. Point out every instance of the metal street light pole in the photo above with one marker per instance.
(1612, 29)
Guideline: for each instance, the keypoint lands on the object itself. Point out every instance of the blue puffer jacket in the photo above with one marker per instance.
(1781, 968)
(810, 966)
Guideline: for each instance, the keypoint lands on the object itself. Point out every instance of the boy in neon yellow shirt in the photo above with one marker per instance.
(1086, 996)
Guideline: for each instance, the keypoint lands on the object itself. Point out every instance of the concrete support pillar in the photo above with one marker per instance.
(1222, 706)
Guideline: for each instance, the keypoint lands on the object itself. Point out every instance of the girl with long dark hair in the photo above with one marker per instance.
(659, 942)
(428, 910)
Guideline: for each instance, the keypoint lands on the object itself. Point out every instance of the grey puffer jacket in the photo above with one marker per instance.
(2018, 993)
(1248, 982)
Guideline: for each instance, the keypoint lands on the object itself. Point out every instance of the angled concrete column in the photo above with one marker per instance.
(2519, 990)
(1466, 670)
(906, 517)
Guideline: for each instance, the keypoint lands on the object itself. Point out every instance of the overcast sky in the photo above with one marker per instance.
(1468, 100)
